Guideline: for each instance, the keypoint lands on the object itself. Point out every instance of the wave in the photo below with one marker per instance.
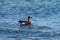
(10, 30)
(37, 33)
(42, 10)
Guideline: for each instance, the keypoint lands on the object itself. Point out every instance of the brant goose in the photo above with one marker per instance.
(25, 22)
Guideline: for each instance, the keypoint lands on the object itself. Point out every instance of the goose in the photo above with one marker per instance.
(28, 22)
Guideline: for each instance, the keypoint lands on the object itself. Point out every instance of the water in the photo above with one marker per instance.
(45, 19)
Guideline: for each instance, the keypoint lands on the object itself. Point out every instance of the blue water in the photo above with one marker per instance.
(45, 19)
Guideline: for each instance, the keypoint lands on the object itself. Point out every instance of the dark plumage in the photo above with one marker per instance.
(25, 22)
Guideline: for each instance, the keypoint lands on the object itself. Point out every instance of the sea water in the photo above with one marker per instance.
(45, 19)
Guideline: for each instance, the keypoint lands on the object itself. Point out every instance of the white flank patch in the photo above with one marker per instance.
(23, 23)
